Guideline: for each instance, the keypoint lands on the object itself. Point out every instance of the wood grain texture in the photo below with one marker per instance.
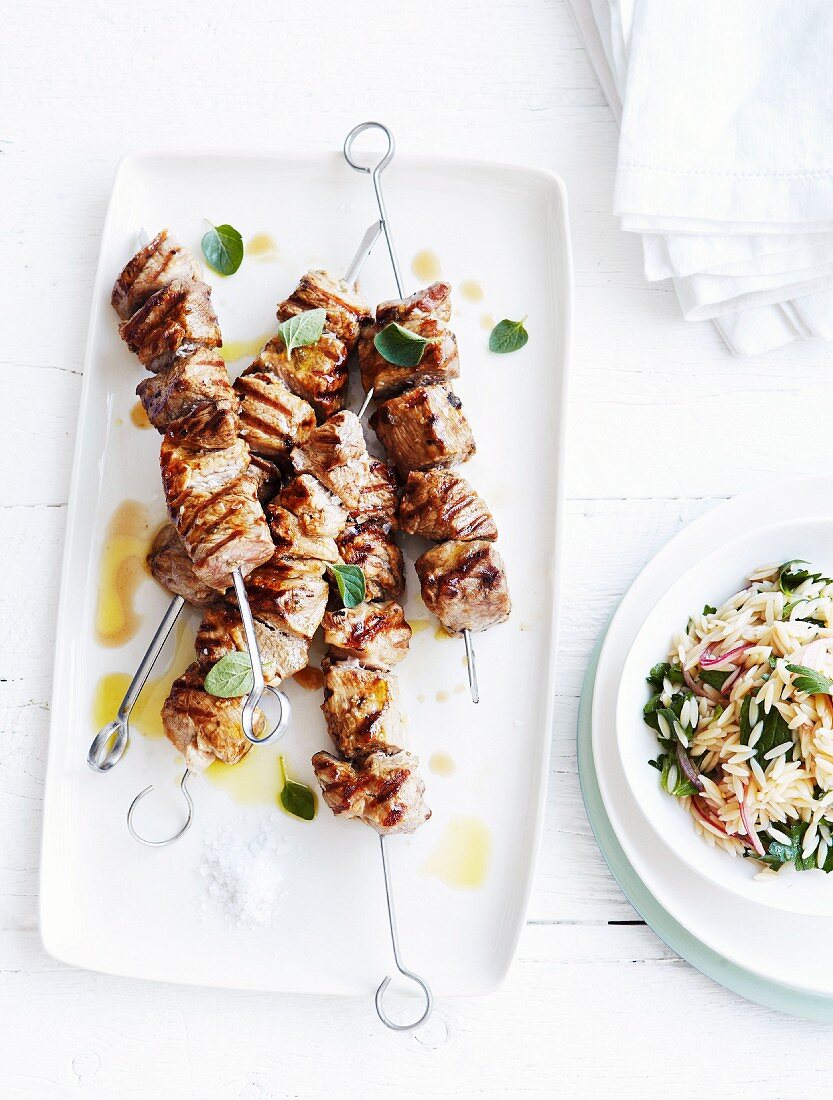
(662, 423)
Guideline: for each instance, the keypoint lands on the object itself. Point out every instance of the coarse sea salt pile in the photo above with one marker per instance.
(242, 875)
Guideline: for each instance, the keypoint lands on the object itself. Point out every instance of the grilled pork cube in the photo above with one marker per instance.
(379, 499)
(345, 306)
(336, 454)
(375, 634)
(464, 584)
(172, 322)
(203, 727)
(439, 363)
(214, 506)
(221, 632)
(318, 511)
(289, 594)
(291, 541)
(317, 373)
(371, 546)
(362, 709)
(440, 505)
(386, 792)
(434, 301)
(209, 427)
(424, 429)
(272, 418)
(171, 567)
(191, 382)
(162, 261)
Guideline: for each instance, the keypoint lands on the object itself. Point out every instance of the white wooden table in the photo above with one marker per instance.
(662, 424)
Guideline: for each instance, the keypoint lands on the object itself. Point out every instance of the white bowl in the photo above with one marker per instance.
(711, 579)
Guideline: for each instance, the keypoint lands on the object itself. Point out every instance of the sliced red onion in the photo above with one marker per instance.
(703, 690)
(754, 839)
(708, 659)
(688, 768)
(704, 813)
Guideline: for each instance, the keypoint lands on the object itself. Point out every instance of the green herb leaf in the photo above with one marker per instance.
(714, 678)
(231, 677)
(775, 732)
(662, 672)
(303, 330)
(682, 786)
(399, 345)
(351, 583)
(810, 681)
(222, 247)
(789, 579)
(296, 798)
(709, 610)
(508, 336)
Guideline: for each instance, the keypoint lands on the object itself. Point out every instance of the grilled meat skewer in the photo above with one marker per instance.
(438, 505)
(386, 792)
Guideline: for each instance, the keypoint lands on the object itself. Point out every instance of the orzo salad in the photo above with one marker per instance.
(743, 714)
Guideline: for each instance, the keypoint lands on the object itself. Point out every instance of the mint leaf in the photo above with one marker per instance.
(222, 247)
(399, 345)
(508, 336)
(351, 584)
(303, 330)
(231, 677)
(810, 681)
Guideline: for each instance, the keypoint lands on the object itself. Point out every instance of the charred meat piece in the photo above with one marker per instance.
(362, 709)
(214, 507)
(379, 499)
(375, 634)
(371, 546)
(464, 584)
(440, 505)
(289, 594)
(189, 383)
(318, 511)
(172, 322)
(171, 567)
(317, 373)
(386, 792)
(291, 541)
(345, 306)
(424, 429)
(439, 363)
(434, 301)
(162, 261)
(221, 632)
(204, 727)
(272, 418)
(336, 454)
(209, 427)
(265, 476)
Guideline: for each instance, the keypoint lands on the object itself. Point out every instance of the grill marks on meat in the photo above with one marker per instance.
(376, 634)
(290, 539)
(345, 306)
(289, 594)
(440, 505)
(203, 727)
(221, 632)
(336, 454)
(464, 584)
(317, 373)
(215, 510)
(272, 418)
(173, 321)
(162, 261)
(386, 792)
(318, 511)
(434, 301)
(371, 546)
(195, 383)
(171, 567)
(362, 709)
(424, 428)
(379, 499)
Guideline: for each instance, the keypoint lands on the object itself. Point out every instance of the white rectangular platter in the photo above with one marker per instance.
(110, 904)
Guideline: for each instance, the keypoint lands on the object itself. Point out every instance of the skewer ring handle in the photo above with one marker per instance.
(386, 158)
(108, 745)
(250, 706)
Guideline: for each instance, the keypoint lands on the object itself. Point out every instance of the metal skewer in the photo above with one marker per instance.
(375, 174)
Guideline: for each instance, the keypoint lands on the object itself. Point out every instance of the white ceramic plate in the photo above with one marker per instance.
(725, 907)
(109, 904)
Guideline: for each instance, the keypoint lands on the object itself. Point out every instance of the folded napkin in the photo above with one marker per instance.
(726, 174)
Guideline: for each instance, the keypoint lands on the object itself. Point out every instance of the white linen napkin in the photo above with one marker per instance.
(757, 272)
